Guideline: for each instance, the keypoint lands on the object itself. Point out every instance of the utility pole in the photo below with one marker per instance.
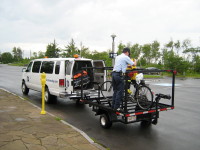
(30, 54)
(81, 49)
(113, 49)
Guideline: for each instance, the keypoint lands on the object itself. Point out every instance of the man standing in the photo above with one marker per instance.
(120, 66)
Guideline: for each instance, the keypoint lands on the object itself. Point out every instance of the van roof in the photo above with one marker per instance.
(57, 59)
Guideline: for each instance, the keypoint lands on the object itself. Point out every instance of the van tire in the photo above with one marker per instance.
(78, 102)
(49, 99)
(25, 90)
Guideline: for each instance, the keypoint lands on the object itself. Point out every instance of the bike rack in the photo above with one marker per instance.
(126, 113)
(126, 81)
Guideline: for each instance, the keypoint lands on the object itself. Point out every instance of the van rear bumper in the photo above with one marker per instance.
(78, 93)
(65, 94)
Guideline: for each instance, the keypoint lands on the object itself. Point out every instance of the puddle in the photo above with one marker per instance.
(166, 84)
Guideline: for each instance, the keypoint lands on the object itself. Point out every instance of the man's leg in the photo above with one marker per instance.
(114, 90)
(119, 92)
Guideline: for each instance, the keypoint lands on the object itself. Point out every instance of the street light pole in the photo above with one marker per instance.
(113, 48)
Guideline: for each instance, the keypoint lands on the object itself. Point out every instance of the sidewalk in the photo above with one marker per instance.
(22, 127)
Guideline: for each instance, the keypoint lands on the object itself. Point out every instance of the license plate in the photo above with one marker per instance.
(131, 118)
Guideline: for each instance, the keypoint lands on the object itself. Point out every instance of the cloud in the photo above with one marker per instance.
(39, 22)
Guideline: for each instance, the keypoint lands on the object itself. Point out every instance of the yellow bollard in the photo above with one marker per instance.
(43, 82)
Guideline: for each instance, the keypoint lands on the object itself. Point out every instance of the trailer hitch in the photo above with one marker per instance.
(158, 97)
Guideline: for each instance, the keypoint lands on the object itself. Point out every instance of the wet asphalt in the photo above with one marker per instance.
(176, 129)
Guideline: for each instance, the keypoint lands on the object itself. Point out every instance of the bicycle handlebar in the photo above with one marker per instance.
(163, 96)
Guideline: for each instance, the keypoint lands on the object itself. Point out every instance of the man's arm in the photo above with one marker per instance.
(132, 62)
(135, 62)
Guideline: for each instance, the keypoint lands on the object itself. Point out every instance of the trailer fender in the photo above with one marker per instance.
(111, 115)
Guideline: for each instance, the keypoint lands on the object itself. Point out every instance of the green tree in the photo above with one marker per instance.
(52, 50)
(142, 62)
(175, 62)
(170, 45)
(41, 54)
(34, 55)
(186, 44)
(197, 64)
(146, 49)
(135, 51)
(6, 57)
(17, 53)
(120, 48)
(101, 56)
(84, 51)
(0, 58)
(195, 57)
(155, 54)
(177, 45)
(71, 49)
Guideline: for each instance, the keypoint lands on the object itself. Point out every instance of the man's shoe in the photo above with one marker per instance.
(119, 110)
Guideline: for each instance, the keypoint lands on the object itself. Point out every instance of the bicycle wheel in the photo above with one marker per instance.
(144, 97)
(107, 89)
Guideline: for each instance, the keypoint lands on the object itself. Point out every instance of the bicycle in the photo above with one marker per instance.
(137, 92)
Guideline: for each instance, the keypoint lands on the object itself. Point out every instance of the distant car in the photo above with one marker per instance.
(152, 69)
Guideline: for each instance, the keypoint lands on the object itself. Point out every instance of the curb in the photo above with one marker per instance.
(64, 122)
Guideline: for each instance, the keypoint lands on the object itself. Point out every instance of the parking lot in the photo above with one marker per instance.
(176, 129)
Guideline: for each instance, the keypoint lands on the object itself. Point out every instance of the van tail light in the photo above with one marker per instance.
(61, 82)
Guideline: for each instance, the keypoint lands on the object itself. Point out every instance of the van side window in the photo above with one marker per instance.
(57, 68)
(36, 66)
(29, 67)
(68, 65)
(47, 67)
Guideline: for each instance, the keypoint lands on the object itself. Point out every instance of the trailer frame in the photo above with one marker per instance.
(130, 113)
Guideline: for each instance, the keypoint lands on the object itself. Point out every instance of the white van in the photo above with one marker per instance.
(62, 76)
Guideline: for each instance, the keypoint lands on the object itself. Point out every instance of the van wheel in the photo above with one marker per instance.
(78, 102)
(25, 90)
(105, 121)
(49, 99)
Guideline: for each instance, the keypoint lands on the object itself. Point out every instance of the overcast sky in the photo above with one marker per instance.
(32, 24)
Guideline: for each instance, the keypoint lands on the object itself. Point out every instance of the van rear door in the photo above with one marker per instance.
(69, 75)
(99, 74)
(82, 69)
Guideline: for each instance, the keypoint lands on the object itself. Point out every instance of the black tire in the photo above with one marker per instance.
(145, 123)
(107, 89)
(78, 102)
(105, 121)
(144, 97)
(25, 90)
(49, 99)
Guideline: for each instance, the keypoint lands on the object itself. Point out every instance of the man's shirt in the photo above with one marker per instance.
(121, 63)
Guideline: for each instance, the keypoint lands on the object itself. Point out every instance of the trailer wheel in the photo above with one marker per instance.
(146, 123)
(105, 121)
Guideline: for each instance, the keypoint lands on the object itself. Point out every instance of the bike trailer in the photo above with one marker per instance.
(130, 111)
